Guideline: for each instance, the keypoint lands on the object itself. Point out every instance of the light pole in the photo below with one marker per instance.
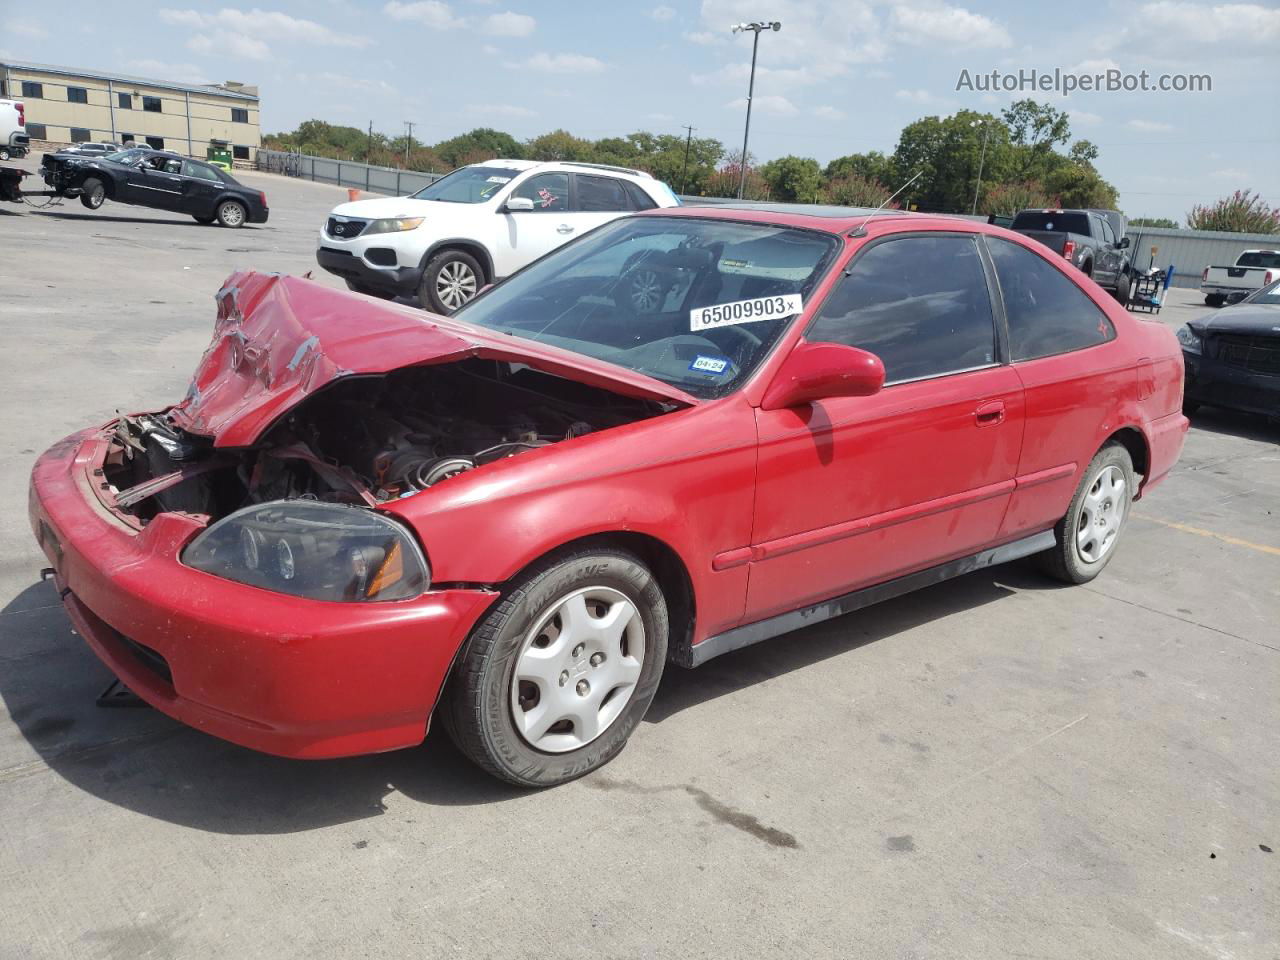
(755, 28)
(986, 131)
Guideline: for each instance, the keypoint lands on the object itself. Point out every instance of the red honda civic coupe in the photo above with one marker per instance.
(688, 431)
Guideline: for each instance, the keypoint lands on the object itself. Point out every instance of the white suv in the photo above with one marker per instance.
(478, 225)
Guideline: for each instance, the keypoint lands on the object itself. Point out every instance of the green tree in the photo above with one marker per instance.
(1006, 199)
(852, 190)
(1242, 212)
(793, 179)
(1080, 186)
(1034, 130)
(947, 151)
(1163, 222)
(559, 145)
(483, 143)
(873, 165)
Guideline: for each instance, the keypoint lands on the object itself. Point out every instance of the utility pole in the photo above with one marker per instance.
(368, 151)
(684, 180)
(986, 132)
(407, 141)
(755, 28)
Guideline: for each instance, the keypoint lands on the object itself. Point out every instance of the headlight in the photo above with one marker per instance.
(394, 225)
(1189, 339)
(322, 551)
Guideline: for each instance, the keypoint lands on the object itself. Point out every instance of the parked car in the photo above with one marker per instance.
(14, 142)
(514, 518)
(157, 179)
(1253, 269)
(1087, 239)
(1233, 357)
(475, 226)
(92, 149)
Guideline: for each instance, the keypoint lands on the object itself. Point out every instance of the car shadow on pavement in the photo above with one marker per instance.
(139, 759)
(106, 218)
(1234, 423)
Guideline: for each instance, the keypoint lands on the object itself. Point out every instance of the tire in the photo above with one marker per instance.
(1189, 407)
(95, 192)
(369, 291)
(1085, 544)
(1121, 292)
(492, 714)
(205, 220)
(231, 213)
(1087, 269)
(642, 290)
(4, 153)
(450, 279)
(1214, 300)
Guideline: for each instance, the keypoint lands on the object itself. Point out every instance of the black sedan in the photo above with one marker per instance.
(1233, 356)
(156, 179)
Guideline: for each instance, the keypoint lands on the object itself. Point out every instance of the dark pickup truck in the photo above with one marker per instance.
(156, 179)
(1092, 240)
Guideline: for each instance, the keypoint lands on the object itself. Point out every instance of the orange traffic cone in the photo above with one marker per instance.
(352, 194)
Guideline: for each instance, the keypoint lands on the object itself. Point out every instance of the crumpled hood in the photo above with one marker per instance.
(279, 339)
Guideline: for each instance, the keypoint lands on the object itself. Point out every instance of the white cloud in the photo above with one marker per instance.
(1235, 24)
(705, 38)
(490, 49)
(230, 43)
(816, 34)
(778, 106)
(662, 13)
(255, 24)
(509, 24)
(160, 70)
(917, 96)
(825, 112)
(1084, 118)
(562, 63)
(27, 28)
(429, 13)
(500, 110)
(1231, 173)
(942, 24)
(663, 117)
(1149, 126)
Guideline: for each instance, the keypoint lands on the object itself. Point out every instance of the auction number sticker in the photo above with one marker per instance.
(745, 311)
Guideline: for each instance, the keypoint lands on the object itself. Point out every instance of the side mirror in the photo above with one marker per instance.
(816, 371)
(516, 204)
(1124, 242)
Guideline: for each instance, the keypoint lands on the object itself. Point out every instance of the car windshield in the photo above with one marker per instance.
(695, 303)
(1052, 221)
(126, 156)
(1269, 295)
(1259, 258)
(468, 185)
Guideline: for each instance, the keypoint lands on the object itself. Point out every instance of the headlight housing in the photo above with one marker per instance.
(393, 225)
(321, 551)
(1190, 340)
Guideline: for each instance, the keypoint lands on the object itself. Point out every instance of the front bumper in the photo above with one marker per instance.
(1222, 385)
(350, 265)
(293, 677)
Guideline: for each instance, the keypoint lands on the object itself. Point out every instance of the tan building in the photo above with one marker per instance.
(73, 106)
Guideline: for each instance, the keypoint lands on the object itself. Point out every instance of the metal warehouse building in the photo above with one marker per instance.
(64, 105)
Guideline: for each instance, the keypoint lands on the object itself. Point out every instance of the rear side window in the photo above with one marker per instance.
(601, 194)
(1047, 313)
(639, 199)
(918, 303)
(200, 171)
(548, 191)
(1259, 258)
(1051, 221)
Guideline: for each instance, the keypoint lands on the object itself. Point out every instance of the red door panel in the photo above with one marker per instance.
(854, 491)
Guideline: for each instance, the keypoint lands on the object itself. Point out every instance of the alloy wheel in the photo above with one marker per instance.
(646, 291)
(577, 669)
(232, 214)
(1102, 514)
(456, 283)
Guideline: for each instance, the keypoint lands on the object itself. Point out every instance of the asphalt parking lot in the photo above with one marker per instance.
(995, 767)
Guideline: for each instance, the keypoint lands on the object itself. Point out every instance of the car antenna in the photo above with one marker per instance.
(858, 231)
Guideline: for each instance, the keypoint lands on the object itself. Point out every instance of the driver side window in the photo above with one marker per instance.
(549, 192)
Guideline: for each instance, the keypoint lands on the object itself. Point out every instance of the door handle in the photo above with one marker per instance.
(564, 228)
(990, 413)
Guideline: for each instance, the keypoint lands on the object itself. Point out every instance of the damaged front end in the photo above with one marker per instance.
(307, 394)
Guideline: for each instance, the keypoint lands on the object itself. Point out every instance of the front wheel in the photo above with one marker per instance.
(4, 153)
(95, 191)
(1214, 300)
(231, 213)
(1121, 292)
(1088, 534)
(199, 219)
(553, 681)
(451, 279)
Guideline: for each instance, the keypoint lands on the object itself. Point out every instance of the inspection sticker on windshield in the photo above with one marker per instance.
(745, 311)
(712, 365)
(498, 180)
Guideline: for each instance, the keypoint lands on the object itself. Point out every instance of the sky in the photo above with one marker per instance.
(841, 76)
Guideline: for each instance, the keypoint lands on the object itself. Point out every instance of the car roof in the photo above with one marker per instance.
(813, 216)
(571, 164)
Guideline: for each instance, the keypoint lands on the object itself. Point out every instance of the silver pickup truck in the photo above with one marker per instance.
(1253, 270)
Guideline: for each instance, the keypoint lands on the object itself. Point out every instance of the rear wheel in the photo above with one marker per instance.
(95, 192)
(199, 219)
(451, 279)
(231, 213)
(1088, 534)
(1214, 299)
(553, 681)
(4, 153)
(1121, 292)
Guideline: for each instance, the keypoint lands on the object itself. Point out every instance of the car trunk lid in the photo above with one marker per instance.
(279, 339)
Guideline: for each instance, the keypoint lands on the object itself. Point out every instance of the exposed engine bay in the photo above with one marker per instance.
(363, 439)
